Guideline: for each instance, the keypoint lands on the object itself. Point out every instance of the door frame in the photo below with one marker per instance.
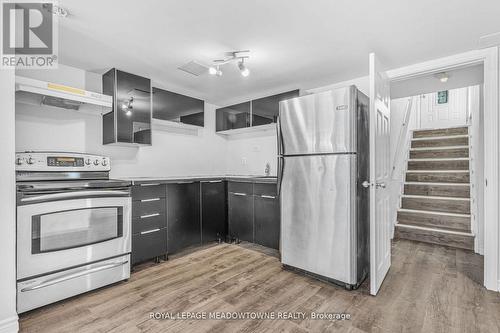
(488, 57)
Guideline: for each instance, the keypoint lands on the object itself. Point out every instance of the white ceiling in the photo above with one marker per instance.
(294, 43)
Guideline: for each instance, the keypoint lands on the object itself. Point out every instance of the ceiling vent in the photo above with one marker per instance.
(194, 68)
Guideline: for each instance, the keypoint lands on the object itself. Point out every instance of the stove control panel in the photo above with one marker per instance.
(59, 161)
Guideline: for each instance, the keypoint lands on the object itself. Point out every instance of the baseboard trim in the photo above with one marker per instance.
(9, 325)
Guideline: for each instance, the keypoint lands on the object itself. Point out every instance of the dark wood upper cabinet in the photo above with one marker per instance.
(178, 108)
(130, 120)
(233, 117)
(257, 112)
(266, 110)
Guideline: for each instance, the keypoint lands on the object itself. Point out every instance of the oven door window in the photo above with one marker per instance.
(75, 228)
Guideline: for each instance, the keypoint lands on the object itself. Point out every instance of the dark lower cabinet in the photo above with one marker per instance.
(149, 222)
(183, 216)
(149, 244)
(240, 215)
(169, 218)
(267, 220)
(213, 211)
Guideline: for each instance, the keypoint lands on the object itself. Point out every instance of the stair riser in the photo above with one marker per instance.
(440, 132)
(440, 153)
(455, 191)
(438, 165)
(460, 141)
(437, 205)
(454, 177)
(435, 237)
(457, 223)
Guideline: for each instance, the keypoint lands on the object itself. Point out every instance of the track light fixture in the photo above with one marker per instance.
(234, 56)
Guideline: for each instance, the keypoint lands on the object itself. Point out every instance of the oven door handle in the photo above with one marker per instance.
(70, 276)
(75, 194)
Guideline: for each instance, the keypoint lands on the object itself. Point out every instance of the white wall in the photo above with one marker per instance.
(248, 155)
(457, 78)
(8, 315)
(173, 153)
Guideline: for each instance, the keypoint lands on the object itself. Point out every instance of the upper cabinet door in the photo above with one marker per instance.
(130, 120)
(233, 117)
(265, 110)
(175, 107)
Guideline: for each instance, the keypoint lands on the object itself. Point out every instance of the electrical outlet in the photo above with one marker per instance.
(256, 149)
(244, 161)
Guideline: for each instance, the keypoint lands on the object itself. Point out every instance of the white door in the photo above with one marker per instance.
(447, 113)
(380, 230)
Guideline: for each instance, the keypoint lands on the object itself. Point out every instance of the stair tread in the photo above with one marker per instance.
(405, 210)
(437, 190)
(437, 131)
(437, 220)
(441, 230)
(432, 197)
(440, 142)
(451, 238)
(440, 204)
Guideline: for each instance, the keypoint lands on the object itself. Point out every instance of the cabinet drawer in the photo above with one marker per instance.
(269, 190)
(148, 191)
(240, 187)
(149, 244)
(142, 208)
(148, 222)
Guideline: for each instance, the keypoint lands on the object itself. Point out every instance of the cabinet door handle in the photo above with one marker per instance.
(240, 194)
(185, 182)
(150, 231)
(150, 215)
(268, 196)
(150, 184)
(215, 181)
(148, 200)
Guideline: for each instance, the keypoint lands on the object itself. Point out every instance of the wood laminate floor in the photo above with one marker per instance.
(429, 288)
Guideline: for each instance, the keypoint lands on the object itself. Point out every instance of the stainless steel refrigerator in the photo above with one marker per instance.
(323, 160)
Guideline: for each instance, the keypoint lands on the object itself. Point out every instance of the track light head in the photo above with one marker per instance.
(243, 69)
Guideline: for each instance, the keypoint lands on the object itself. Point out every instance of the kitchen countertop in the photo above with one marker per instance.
(175, 179)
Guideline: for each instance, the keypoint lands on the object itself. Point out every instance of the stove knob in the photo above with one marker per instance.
(104, 162)
(19, 161)
(31, 160)
(96, 162)
(88, 161)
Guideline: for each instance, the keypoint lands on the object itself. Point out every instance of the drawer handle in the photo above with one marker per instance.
(215, 181)
(268, 196)
(150, 231)
(240, 194)
(150, 184)
(150, 215)
(185, 182)
(148, 200)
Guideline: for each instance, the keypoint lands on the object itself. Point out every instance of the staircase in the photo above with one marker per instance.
(435, 205)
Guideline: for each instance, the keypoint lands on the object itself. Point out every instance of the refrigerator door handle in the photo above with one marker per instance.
(281, 167)
(280, 137)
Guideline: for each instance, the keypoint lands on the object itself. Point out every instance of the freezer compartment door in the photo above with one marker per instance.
(319, 123)
(318, 216)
